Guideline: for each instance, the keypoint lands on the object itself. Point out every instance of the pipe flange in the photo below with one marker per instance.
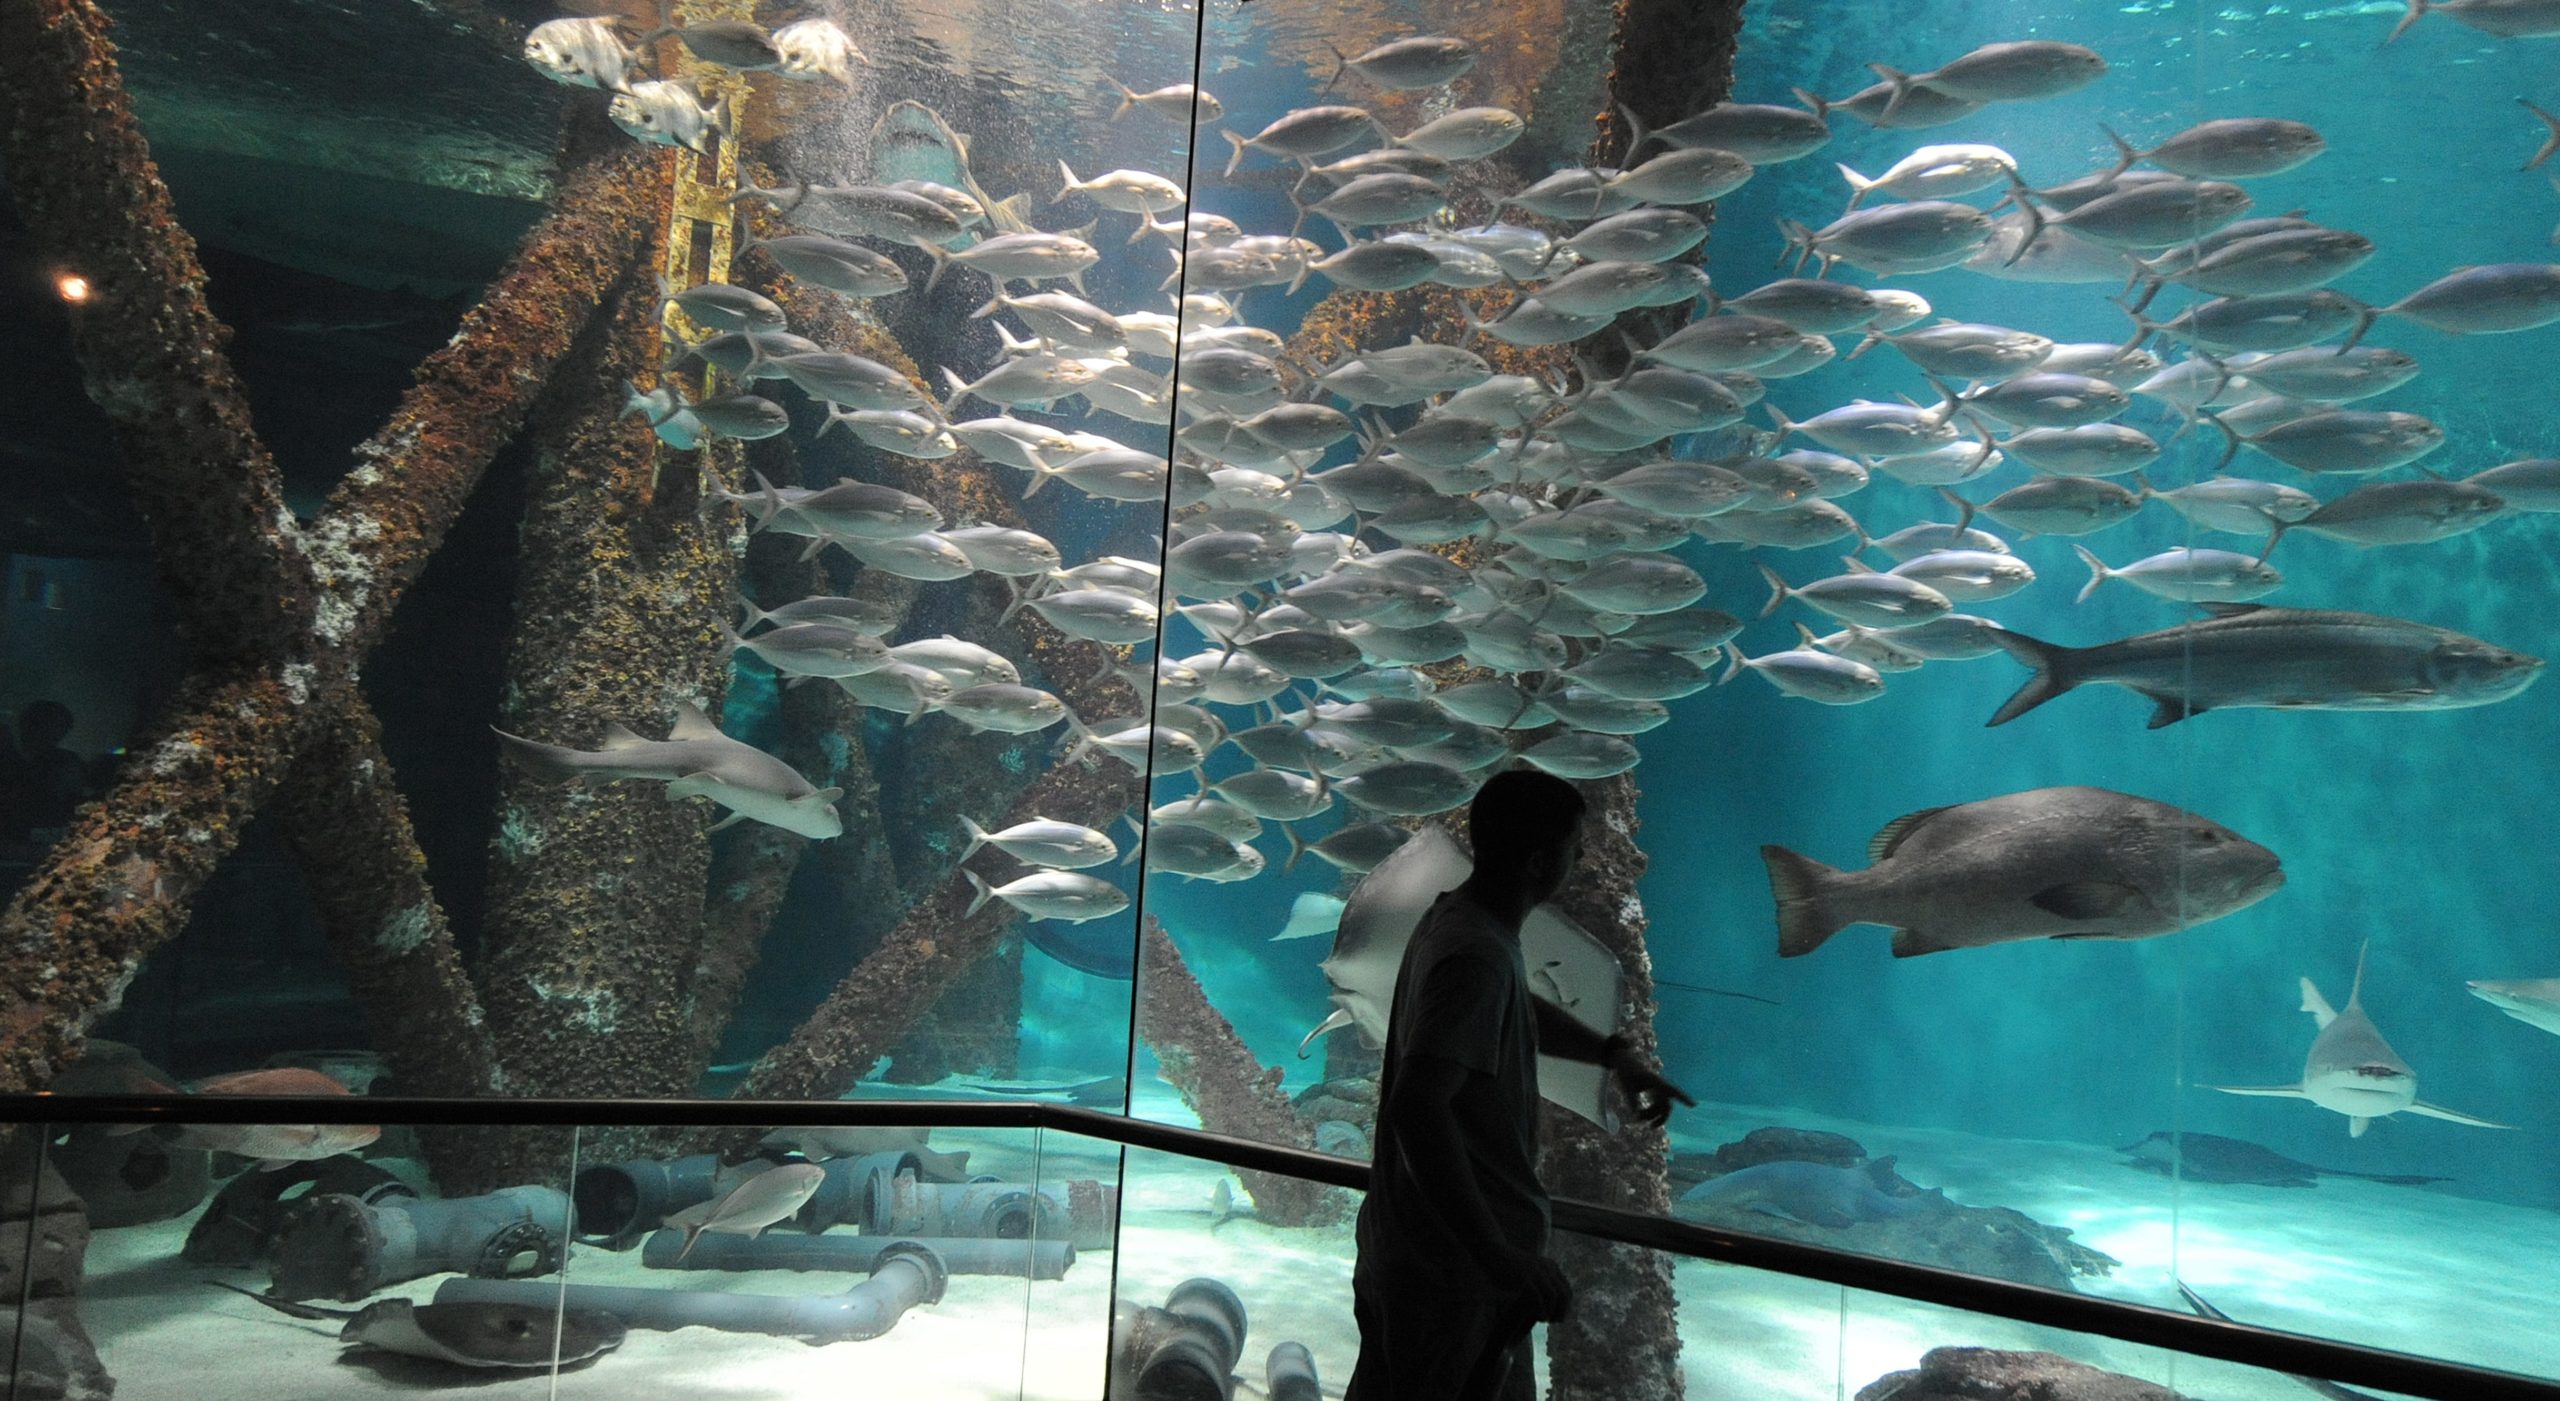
(497, 1255)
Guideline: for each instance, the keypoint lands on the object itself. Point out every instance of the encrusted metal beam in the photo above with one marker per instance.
(150, 348)
(123, 880)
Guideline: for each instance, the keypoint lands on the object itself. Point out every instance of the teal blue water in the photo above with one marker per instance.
(2426, 834)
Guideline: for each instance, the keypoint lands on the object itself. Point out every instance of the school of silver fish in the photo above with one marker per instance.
(1312, 504)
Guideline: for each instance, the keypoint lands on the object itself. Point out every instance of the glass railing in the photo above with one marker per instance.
(293, 1246)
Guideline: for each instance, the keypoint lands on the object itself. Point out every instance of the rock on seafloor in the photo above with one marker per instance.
(1991, 1374)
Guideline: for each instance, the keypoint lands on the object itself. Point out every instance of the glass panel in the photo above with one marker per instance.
(2401, 1195)
(1208, 1286)
(773, 900)
(304, 1259)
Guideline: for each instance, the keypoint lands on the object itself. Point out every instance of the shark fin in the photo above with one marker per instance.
(691, 723)
(2437, 1111)
(2268, 1091)
(619, 736)
(2356, 1125)
(2355, 990)
(732, 820)
(2317, 1005)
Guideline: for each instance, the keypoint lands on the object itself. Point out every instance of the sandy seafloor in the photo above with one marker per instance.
(2415, 1269)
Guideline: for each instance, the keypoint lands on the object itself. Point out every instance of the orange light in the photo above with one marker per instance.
(73, 287)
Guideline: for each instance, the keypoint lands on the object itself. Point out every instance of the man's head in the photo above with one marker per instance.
(1527, 829)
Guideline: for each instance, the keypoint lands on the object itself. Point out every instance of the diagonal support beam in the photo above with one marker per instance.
(282, 615)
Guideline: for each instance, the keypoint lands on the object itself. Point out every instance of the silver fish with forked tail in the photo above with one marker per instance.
(2277, 658)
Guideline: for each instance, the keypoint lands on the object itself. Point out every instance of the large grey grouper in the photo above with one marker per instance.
(2048, 863)
(2285, 658)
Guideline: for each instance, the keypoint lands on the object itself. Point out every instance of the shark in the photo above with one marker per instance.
(1566, 965)
(695, 760)
(912, 142)
(2532, 1001)
(2352, 1070)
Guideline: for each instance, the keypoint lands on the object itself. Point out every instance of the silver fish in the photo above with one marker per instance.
(2048, 863)
(1423, 61)
(834, 264)
(1042, 841)
(2281, 658)
(2482, 300)
(2530, 484)
(1466, 134)
(585, 53)
(2405, 513)
(1757, 132)
(1182, 102)
(817, 48)
(1810, 675)
(2187, 575)
(2229, 148)
(2019, 70)
(1305, 131)
(670, 114)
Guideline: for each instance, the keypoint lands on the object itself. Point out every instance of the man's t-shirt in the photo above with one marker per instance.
(1462, 996)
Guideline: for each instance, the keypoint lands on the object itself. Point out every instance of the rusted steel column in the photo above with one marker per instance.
(595, 905)
(1672, 58)
(471, 397)
(1623, 1337)
(1222, 1082)
(348, 827)
(118, 883)
(150, 349)
(122, 882)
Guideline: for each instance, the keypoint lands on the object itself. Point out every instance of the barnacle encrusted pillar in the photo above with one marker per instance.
(1673, 57)
(1222, 1082)
(122, 881)
(150, 349)
(595, 906)
(1623, 1337)
(349, 831)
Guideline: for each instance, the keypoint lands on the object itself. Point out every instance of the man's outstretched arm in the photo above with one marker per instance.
(1562, 1035)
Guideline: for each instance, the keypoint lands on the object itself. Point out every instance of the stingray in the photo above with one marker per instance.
(2206, 1157)
(1566, 965)
(2352, 1070)
(1815, 1193)
(465, 1334)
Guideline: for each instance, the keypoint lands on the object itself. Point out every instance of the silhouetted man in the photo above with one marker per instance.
(1453, 1267)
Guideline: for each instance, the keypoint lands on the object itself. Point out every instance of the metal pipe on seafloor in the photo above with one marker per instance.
(908, 1275)
(851, 1254)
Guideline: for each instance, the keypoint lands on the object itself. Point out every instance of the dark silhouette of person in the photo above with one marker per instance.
(54, 780)
(1453, 1268)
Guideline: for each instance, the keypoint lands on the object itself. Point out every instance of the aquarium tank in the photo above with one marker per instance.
(575, 571)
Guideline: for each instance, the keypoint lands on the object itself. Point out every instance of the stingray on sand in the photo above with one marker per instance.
(465, 1334)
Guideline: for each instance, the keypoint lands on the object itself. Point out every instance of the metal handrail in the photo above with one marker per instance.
(2220, 1339)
